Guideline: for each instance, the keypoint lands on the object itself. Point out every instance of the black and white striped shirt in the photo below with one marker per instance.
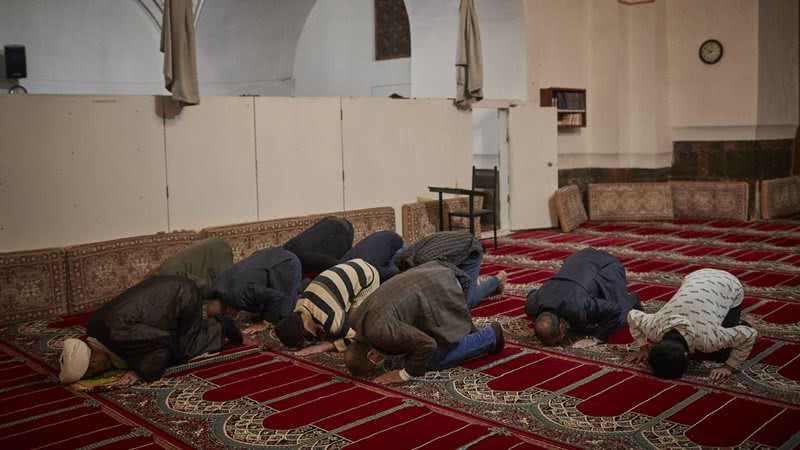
(337, 291)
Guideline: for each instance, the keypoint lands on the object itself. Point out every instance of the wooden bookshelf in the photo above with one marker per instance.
(570, 104)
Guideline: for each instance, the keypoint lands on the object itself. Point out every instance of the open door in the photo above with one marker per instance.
(489, 150)
(533, 165)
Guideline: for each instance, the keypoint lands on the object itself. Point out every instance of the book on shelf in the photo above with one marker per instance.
(570, 100)
(571, 119)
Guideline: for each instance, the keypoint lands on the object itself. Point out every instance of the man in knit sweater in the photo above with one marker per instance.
(459, 248)
(323, 310)
(702, 316)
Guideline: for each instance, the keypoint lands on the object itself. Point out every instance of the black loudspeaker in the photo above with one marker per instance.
(15, 62)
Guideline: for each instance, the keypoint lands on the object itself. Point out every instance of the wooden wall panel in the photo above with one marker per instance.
(79, 169)
(299, 146)
(211, 164)
(395, 149)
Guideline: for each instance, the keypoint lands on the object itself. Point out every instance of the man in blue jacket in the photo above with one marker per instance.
(265, 283)
(588, 296)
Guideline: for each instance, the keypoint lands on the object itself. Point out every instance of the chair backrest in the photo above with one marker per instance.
(486, 179)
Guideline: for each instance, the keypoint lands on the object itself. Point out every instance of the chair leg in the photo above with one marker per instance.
(494, 226)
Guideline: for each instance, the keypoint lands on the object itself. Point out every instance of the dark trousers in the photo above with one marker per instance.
(731, 320)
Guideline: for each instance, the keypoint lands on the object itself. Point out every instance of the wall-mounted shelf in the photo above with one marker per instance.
(570, 104)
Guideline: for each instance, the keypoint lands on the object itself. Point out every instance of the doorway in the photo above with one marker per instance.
(490, 149)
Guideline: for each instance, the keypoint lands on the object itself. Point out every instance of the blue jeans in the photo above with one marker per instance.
(472, 267)
(474, 344)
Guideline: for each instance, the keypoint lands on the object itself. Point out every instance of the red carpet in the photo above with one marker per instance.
(526, 397)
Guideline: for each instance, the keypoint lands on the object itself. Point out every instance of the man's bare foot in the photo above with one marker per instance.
(501, 277)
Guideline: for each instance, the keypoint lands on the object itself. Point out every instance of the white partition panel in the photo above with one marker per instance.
(299, 142)
(211, 164)
(533, 165)
(78, 169)
(395, 149)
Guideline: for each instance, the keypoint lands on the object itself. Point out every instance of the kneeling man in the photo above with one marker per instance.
(589, 295)
(322, 245)
(149, 327)
(422, 314)
(201, 262)
(704, 315)
(324, 307)
(460, 248)
(378, 249)
(265, 283)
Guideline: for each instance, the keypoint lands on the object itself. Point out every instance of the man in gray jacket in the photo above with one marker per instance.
(422, 314)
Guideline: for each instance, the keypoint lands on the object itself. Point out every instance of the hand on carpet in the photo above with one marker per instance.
(585, 343)
(314, 349)
(388, 378)
(256, 328)
(638, 357)
(130, 378)
(720, 373)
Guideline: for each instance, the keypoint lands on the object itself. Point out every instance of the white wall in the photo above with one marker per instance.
(336, 54)
(558, 56)
(210, 164)
(299, 156)
(395, 149)
(78, 169)
(85, 46)
(645, 83)
(434, 30)
(248, 46)
(112, 47)
(777, 69)
(718, 101)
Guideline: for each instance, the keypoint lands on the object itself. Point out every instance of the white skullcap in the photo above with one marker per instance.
(74, 360)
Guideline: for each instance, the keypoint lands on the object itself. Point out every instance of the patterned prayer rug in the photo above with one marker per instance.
(529, 396)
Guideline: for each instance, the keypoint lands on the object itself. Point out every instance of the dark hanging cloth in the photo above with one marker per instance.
(265, 283)
(322, 245)
(155, 324)
(378, 249)
(590, 292)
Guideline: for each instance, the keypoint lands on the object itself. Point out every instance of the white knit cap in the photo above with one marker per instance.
(74, 360)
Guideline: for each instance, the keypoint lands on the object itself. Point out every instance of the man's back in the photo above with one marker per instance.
(590, 292)
(201, 262)
(452, 246)
(273, 268)
(429, 298)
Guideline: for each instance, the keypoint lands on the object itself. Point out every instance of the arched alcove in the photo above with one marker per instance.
(248, 46)
(336, 50)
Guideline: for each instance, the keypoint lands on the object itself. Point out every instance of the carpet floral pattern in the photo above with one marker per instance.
(528, 396)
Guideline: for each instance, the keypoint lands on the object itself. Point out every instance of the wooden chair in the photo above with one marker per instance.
(485, 182)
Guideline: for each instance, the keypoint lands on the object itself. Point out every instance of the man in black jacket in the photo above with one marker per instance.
(323, 244)
(589, 295)
(149, 327)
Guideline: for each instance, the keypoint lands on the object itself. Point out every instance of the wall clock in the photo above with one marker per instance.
(710, 51)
